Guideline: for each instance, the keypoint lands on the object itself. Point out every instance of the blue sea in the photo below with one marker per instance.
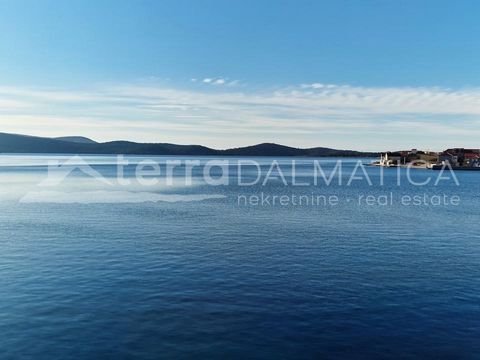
(91, 268)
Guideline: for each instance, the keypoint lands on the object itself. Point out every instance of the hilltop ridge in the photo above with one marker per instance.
(15, 143)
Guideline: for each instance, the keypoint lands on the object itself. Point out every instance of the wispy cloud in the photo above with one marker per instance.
(305, 115)
(216, 81)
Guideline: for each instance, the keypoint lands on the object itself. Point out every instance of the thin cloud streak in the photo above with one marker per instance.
(365, 118)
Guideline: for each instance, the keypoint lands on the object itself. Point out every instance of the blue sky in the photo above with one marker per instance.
(227, 73)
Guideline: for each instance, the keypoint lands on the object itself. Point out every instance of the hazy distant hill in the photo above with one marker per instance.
(13, 143)
(77, 139)
(265, 149)
(269, 149)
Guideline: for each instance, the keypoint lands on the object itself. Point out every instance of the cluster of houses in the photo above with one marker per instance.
(456, 158)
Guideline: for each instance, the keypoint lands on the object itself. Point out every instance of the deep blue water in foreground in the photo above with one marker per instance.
(220, 280)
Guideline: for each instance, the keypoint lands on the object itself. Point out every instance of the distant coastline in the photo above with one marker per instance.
(455, 158)
(15, 143)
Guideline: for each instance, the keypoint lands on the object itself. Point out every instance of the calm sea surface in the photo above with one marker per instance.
(88, 269)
